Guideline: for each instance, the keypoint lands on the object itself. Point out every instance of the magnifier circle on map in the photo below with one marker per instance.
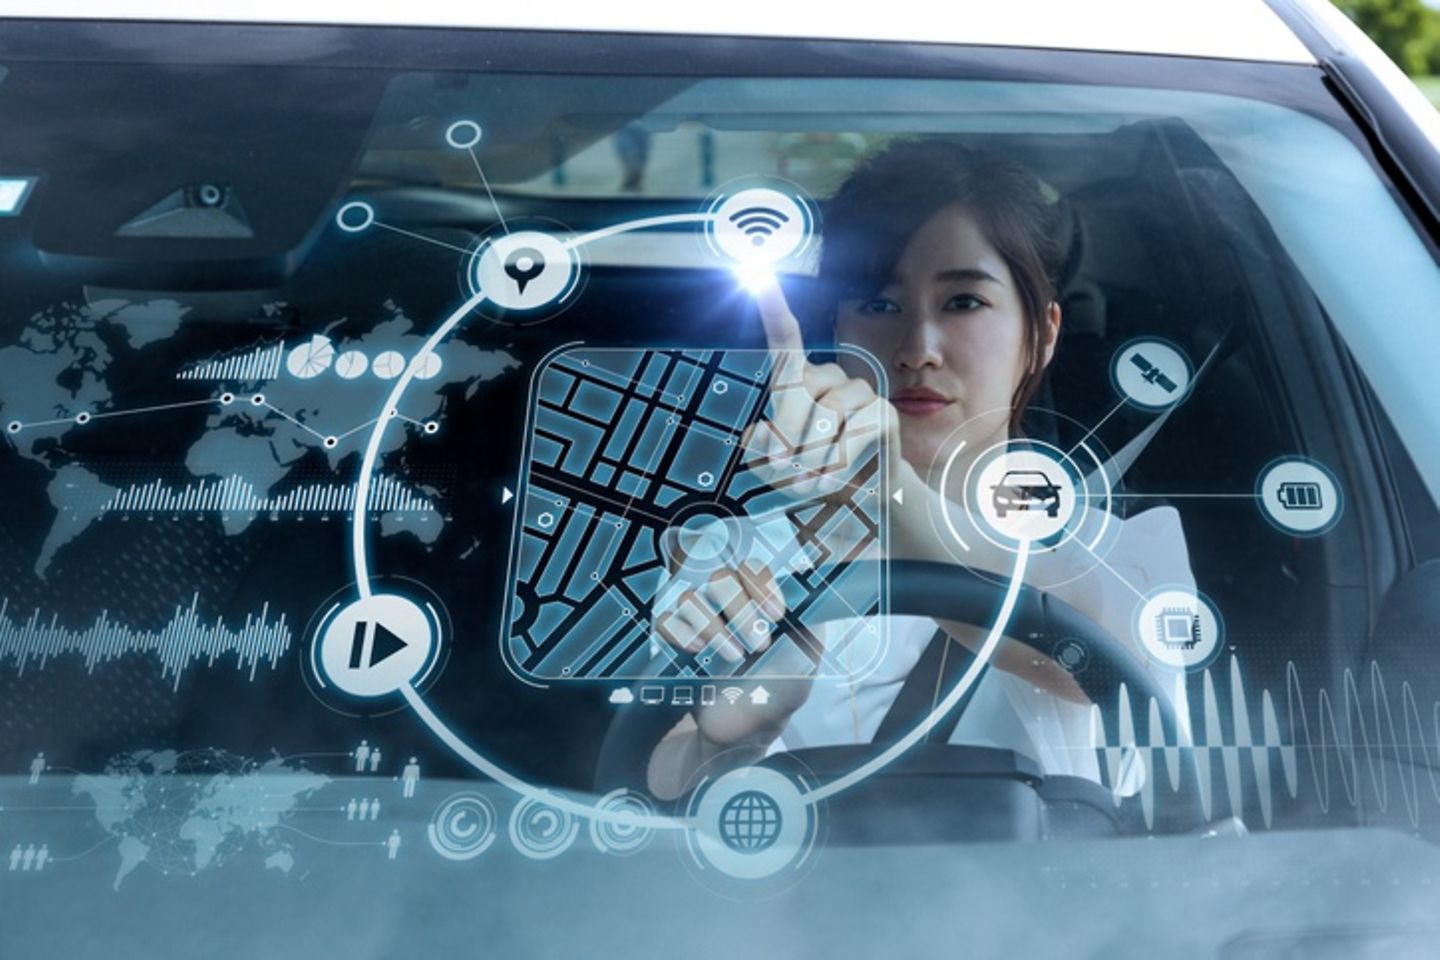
(704, 538)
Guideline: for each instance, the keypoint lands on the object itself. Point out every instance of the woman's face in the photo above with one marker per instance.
(950, 329)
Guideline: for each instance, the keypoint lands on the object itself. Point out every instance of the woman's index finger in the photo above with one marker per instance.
(782, 330)
(791, 404)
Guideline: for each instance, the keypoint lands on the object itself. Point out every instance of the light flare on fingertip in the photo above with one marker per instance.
(755, 277)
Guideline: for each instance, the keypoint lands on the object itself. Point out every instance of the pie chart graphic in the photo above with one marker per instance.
(427, 365)
(388, 365)
(311, 358)
(351, 364)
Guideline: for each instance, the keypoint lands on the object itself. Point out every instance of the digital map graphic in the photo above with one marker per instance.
(631, 452)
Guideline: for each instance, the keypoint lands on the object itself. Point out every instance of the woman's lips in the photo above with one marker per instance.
(919, 402)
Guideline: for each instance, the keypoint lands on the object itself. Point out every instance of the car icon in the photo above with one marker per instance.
(1026, 490)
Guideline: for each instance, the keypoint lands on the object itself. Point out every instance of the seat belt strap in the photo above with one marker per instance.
(918, 694)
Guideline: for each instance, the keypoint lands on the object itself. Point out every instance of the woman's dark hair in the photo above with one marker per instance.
(892, 193)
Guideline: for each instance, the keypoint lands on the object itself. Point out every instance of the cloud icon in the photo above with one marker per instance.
(622, 695)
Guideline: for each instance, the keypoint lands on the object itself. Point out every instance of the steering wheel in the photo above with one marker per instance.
(957, 593)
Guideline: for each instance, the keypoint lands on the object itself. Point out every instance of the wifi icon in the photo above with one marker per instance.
(759, 223)
(731, 694)
(759, 226)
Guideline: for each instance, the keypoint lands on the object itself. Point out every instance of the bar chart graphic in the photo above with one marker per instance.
(235, 494)
(260, 363)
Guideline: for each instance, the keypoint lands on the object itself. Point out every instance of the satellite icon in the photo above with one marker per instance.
(1153, 374)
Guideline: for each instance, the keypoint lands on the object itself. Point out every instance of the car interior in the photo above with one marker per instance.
(1162, 240)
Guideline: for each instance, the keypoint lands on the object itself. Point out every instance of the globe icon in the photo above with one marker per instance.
(750, 822)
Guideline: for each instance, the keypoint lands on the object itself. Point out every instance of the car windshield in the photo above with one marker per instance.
(687, 489)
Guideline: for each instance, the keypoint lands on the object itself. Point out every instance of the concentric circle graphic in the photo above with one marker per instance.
(759, 226)
(355, 216)
(463, 827)
(702, 539)
(541, 831)
(1024, 491)
(1076, 472)
(752, 823)
(360, 652)
(616, 834)
(463, 134)
(1151, 374)
(1179, 627)
(525, 274)
(1299, 496)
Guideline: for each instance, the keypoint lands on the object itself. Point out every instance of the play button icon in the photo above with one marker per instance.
(373, 646)
(383, 644)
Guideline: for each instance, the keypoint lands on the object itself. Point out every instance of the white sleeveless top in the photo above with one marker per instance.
(1005, 710)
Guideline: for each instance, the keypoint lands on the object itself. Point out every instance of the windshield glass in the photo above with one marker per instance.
(762, 481)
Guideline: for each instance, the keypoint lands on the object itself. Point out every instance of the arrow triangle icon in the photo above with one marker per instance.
(385, 646)
(899, 496)
(506, 496)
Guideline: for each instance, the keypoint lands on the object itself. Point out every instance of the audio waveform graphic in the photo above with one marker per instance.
(261, 363)
(182, 643)
(237, 495)
(1371, 734)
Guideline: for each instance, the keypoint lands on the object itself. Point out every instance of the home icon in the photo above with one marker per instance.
(760, 696)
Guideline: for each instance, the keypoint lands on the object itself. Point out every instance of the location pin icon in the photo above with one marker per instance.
(524, 265)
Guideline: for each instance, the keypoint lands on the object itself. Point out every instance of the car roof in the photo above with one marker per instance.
(1227, 29)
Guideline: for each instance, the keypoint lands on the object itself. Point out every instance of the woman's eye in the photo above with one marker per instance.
(964, 301)
(878, 305)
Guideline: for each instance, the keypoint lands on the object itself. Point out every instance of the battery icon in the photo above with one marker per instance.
(1300, 495)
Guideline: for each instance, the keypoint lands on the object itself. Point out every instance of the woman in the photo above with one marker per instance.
(941, 263)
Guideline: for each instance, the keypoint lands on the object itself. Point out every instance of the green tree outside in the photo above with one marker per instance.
(1405, 29)
(1408, 32)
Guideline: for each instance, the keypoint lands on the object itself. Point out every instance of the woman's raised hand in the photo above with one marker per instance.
(823, 421)
(822, 426)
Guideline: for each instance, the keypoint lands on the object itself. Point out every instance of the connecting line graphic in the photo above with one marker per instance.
(359, 526)
(1116, 573)
(465, 136)
(225, 399)
(812, 796)
(470, 149)
(391, 408)
(84, 417)
(419, 236)
(83, 853)
(507, 779)
(360, 555)
(631, 225)
(945, 485)
(579, 240)
(329, 843)
(1093, 430)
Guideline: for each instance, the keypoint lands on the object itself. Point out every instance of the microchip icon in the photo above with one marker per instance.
(1178, 628)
